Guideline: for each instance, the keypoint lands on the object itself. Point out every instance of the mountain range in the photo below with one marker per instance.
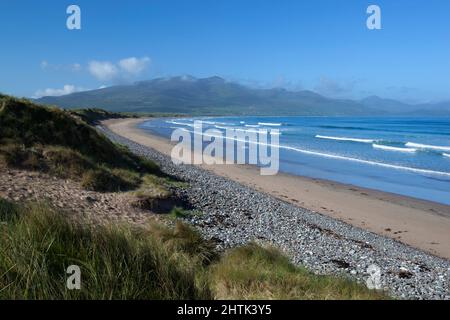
(216, 96)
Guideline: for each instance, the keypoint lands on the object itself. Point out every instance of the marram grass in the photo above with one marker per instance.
(37, 244)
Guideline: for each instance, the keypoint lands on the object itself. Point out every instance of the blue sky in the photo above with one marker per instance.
(320, 45)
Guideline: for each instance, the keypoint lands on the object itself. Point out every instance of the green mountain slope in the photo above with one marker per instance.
(208, 96)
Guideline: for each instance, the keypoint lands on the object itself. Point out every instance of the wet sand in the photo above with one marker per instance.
(418, 223)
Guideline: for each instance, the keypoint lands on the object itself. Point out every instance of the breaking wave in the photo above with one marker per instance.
(426, 146)
(389, 148)
(346, 139)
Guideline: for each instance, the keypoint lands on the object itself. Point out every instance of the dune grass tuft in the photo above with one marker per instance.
(184, 238)
(117, 262)
(254, 272)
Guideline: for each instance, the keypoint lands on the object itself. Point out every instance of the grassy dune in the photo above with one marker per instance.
(55, 141)
(117, 262)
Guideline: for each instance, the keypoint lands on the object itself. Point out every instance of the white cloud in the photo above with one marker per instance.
(103, 70)
(133, 65)
(124, 69)
(50, 92)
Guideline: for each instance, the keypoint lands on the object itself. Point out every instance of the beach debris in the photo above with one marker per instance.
(405, 273)
(341, 263)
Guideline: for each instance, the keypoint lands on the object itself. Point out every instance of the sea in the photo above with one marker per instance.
(403, 155)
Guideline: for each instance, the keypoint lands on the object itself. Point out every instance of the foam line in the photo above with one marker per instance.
(346, 139)
(426, 146)
(389, 148)
(269, 124)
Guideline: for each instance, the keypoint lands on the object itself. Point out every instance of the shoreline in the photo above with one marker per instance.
(418, 223)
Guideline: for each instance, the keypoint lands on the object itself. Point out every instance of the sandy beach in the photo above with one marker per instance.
(421, 224)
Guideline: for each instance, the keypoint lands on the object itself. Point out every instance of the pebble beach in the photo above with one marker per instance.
(232, 214)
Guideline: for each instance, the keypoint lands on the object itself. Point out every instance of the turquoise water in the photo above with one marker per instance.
(407, 156)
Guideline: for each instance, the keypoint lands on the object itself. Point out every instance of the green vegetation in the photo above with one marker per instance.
(94, 115)
(154, 195)
(178, 212)
(117, 262)
(37, 244)
(253, 272)
(52, 140)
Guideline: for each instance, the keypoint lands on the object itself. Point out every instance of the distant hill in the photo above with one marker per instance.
(386, 105)
(394, 107)
(436, 109)
(216, 96)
